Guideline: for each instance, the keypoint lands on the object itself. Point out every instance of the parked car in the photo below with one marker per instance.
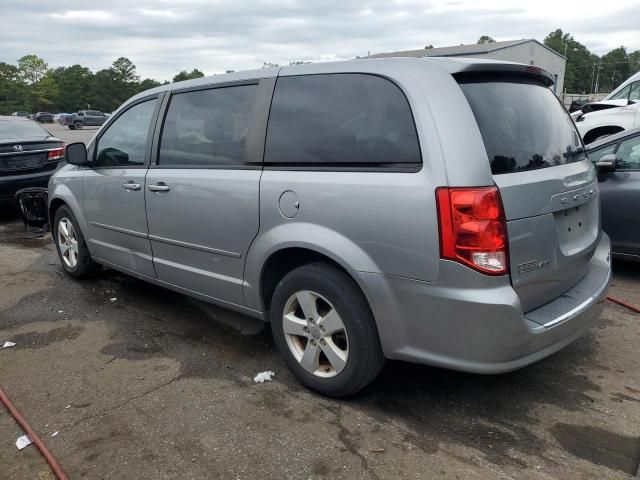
(619, 111)
(29, 155)
(66, 119)
(618, 157)
(370, 209)
(20, 114)
(87, 118)
(44, 117)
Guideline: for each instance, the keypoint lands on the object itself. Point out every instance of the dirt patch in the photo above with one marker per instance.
(42, 339)
(615, 451)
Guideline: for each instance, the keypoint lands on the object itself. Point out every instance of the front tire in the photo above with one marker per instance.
(70, 245)
(323, 327)
(78, 125)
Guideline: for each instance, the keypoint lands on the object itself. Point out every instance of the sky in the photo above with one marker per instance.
(163, 37)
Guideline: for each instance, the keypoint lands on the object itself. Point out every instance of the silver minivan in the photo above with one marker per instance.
(439, 211)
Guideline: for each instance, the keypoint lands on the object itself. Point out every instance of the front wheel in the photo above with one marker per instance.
(78, 125)
(323, 327)
(70, 245)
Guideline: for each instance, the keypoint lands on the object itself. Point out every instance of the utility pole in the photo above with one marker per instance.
(598, 76)
(593, 72)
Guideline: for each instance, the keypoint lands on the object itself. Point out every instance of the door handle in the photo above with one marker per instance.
(131, 186)
(159, 187)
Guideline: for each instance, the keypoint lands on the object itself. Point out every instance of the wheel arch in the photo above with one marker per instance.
(596, 132)
(290, 246)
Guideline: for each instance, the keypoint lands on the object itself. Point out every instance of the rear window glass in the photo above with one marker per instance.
(340, 120)
(523, 125)
(21, 128)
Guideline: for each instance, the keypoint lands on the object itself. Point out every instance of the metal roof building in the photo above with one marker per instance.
(528, 51)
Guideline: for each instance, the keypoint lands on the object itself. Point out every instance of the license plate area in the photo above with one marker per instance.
(22, 162)
(576, 227)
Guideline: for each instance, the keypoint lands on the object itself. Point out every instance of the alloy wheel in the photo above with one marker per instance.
(315, 334)
(67, 242)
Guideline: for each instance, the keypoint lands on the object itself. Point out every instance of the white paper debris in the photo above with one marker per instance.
(23, 441)
(114, 299)
(8, 344)
(60, 311)
(68, 406)
(264, 377)
(55, 434)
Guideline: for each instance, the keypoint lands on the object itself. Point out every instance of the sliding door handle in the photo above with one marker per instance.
(159, 187)
(131, 186)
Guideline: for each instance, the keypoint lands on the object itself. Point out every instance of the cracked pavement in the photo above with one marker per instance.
(156, 385)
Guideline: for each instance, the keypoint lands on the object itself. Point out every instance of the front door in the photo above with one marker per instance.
(203, 194)
(620, 194)
(114, 202)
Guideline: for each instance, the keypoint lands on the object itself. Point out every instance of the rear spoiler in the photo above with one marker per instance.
(475, 71)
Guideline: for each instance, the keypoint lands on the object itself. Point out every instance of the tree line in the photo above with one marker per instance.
(32, 86)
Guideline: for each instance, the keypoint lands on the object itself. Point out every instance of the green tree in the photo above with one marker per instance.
(634, 61)
(614, 69)
(578, 76)
(32, 68)
(12, 90)
(44, 93)
(75, 86)
(124, 71)
(184, 75)
(486, 39)
(146, 84)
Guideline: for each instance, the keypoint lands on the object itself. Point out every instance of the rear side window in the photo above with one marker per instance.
(340, 120)
(523, 125)
(207, 127)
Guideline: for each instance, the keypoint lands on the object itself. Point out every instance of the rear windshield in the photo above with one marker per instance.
(523, 125)
(21, 128)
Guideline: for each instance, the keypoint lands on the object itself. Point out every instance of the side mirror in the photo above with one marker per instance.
(606, 164)
(76, 154)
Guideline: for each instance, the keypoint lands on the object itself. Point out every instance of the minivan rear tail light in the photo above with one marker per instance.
(56, 154)
(473, 229)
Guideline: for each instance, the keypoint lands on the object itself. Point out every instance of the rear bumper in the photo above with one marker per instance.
(10, 184)
(470, 322)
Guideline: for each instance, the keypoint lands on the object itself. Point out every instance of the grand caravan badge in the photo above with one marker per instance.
(532, 265)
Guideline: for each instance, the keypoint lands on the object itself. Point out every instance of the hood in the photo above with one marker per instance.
(597, 106)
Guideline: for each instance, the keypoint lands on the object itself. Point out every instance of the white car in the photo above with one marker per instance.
(619, 111)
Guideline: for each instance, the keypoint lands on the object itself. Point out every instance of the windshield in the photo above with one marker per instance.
(523, 125)
(21, 128)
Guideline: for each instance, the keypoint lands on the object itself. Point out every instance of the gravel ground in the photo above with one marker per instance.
(155, 385)
(70, 136)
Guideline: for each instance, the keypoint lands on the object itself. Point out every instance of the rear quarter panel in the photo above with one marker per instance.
(376, 221)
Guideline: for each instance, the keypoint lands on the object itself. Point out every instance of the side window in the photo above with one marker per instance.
(635, 92)
(596, 155)
(124, 143)
(207, 127)
(81, 114)
(340, 120)
(628, 154)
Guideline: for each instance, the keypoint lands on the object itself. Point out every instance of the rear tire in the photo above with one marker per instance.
(336, 319)
(71, 246)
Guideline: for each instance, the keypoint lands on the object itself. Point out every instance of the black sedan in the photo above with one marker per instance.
(29, 155)
(617, 158)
